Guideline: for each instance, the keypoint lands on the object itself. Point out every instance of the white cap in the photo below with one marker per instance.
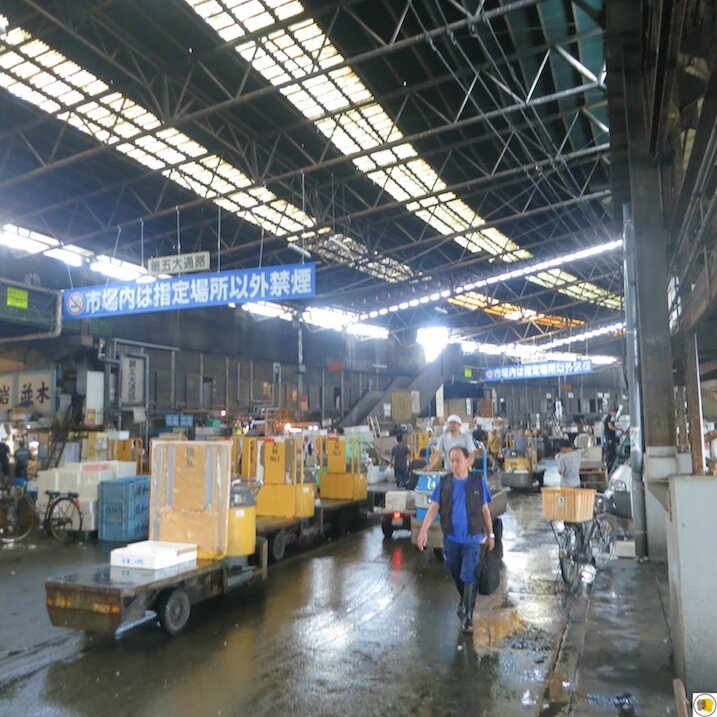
(454, 419)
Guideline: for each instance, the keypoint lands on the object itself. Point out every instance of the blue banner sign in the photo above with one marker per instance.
(549, 369)
(270, 283)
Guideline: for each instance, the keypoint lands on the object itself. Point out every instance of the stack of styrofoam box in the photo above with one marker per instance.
(399, 500)
(83, 479)
(154, 555)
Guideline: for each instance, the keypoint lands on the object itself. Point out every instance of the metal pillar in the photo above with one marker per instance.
(694, 405)
(655, 349)
(633, 385)
(300, 367)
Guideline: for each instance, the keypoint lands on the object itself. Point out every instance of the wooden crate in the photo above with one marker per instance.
(573, 505)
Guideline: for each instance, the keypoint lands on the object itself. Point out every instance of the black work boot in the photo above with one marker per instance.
(469, 599)
(461, 611)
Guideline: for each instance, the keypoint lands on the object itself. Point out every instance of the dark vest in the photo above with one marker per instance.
(474, 503)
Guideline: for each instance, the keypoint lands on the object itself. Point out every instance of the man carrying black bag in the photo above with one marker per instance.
(465, 515)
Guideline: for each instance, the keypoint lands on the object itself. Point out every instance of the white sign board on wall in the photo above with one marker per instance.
(33, 390)
(132, 385)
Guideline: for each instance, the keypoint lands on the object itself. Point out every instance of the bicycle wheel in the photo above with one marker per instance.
(570, 543)
(602, 542)
(17, 518)
(64, 520)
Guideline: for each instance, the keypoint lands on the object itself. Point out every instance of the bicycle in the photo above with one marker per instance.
(585, 543)
(19, 515)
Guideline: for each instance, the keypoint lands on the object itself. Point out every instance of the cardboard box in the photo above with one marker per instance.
(191, 483)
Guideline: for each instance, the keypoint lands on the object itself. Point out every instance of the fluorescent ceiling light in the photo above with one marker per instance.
(117, 269)
(299, 250)
(615, 328)
(340, 244)
(66, 256)
(25, 240)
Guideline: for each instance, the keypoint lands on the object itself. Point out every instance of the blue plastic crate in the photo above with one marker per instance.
(124, 508)
(122, 531)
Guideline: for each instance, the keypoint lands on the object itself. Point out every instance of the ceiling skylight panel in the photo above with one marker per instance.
(207, 8)
(220, 21)
(9, 59)
(365, 164)
(284, 10)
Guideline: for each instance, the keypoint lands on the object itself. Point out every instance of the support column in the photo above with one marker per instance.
(658, 412)
(633, 384)
(694, 405)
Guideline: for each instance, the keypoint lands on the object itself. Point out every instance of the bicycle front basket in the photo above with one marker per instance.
(572, 505)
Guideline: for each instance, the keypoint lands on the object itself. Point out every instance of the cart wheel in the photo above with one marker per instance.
(173, 609)
(277, 546)
(438, 552)
(570, 550)
(387, 526)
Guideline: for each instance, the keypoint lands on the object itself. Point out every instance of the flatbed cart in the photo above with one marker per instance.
(111, 599)
(280, 532)
(377, 493)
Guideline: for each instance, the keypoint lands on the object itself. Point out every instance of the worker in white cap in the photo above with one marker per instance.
(450, 439)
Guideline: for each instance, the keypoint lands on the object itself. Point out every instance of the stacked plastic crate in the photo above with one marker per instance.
(124, 509)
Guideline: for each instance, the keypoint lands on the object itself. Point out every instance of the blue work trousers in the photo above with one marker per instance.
(462, 560)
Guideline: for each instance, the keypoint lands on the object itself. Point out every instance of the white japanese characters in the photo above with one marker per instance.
(201, 290)
(550, 369)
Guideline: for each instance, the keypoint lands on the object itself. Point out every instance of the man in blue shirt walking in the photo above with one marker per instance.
(465, 516)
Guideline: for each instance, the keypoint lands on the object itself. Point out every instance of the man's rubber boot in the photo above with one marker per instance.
(461, 605)
(469, 599)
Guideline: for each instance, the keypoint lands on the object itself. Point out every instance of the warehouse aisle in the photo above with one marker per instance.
(361, 626)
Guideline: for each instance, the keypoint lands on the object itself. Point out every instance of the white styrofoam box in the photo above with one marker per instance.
(90, 522)
(89, 506)
(118, 435)
(154, 555)
(123, 469)
(46, 480)
(89, 493)
(399, 500)
(625, 548)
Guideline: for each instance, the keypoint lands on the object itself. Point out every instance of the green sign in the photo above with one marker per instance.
(468, 373)
(17, 298)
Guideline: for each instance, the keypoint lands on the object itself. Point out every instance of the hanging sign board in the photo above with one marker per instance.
(132, 383)
(179, 263)
(549, 369)
(271, 283)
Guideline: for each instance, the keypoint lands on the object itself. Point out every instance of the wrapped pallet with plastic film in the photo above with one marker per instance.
(190, 495)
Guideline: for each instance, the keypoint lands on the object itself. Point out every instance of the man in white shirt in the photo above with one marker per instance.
(569, 466)
(451, 439)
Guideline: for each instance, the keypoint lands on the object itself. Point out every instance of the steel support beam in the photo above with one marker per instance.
(694, 405)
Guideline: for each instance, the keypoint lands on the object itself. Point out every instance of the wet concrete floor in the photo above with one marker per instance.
(359, 626)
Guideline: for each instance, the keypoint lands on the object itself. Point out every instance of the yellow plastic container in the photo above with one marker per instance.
(344, 486)
(241, 526)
